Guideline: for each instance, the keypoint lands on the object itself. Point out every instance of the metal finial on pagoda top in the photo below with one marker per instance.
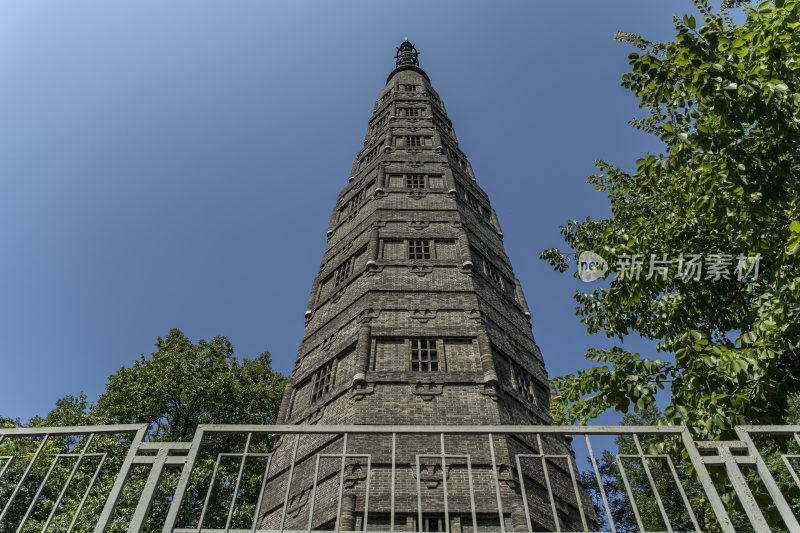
(407, 60)
(406, 54)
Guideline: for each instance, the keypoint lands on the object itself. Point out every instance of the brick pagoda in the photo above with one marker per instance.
(416, 317)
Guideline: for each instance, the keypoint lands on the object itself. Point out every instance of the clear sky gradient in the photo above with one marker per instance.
(175, 164)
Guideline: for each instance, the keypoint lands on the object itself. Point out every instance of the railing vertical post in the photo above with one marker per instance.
(67, 482)
(574, 478)
(313, 496)
(211, 482)
(496, 486)
(183, 482)
(238, 484)
(116, 491)
(777, 497)
(473, 511)
(599, 486)
(419, 497)
(743, 492)
(289, 482)
(23, 478)
(36, 496)
(86, 493)
(652, 482)
(261, 493)
(444, 485)
(341, 485)
(629, 492)
(149, 491)
(394, 469)
(366, 497)
(549, 488)
(708, 485)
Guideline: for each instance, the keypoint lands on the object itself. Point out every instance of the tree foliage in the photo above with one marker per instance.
(772, 448)
(725, 101)
(177, 387)
(617, 496)
(182, 385)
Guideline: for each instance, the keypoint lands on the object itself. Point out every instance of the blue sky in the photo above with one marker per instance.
(175, 164)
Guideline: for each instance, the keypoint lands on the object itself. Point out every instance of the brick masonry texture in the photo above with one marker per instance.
(371, 304)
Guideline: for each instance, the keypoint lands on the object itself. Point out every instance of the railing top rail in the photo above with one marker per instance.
(72, 430)
(415, 429)
(457, 430)
(776, 430)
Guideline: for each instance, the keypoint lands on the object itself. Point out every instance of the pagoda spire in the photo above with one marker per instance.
(406, 54)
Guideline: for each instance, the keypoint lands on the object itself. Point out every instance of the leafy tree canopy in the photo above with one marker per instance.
(772, 450)
(616, 494)
(725, 101)
(179, 386)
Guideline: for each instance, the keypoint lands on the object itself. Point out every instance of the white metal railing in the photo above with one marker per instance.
(459, 479)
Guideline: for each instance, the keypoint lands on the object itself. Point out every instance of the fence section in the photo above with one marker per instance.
(468, 479)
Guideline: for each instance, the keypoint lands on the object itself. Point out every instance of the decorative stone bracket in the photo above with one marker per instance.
(361, 390)
(377, 224)
(337, 295)
(492, 390)
(353, 474)
(476, 315)
(328, 342)
(430, 474)
(420, 270)
(368, 315)
(423, 315)
(297, 502)
(373, 270)
(427, 390)
(506, 474)
(315, 416)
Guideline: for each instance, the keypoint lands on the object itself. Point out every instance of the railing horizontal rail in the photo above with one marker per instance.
(72, 430)
(451, 430)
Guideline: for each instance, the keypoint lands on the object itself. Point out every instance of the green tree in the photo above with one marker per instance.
(177, 387)
(772, 449)
(617, 495)
(182, 385)
(725, 101)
